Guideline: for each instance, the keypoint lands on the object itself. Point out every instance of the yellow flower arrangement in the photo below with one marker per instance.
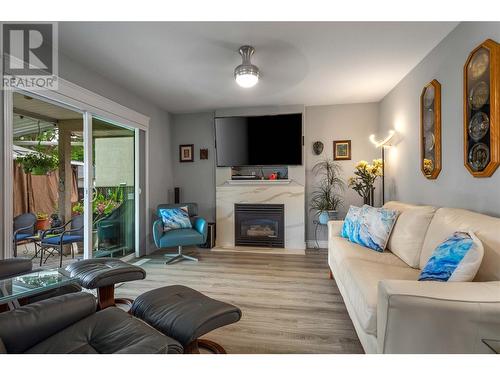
(365, 177)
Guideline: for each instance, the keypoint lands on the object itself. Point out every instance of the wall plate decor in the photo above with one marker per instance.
(203, 153)
(186, 153)
(430, 130)
(318, 147)
(342, 150)
(482, 110)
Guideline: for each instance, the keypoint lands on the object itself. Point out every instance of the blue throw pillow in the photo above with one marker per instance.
(458, 258)
(369, 226)
(175, 218)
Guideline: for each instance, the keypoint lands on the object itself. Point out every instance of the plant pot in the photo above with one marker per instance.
(326, 216)
(42, 224)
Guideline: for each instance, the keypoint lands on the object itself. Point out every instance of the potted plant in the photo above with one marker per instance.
(102, 206)
(42, 221)
(326, 198)
(38, 163)
(365, 177)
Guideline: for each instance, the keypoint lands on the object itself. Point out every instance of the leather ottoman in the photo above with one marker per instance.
(185, 315)
(102, 274)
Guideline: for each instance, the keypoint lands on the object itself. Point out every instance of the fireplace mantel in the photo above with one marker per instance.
(290, 195)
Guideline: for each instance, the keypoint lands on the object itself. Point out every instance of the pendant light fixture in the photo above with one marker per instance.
(246, 74)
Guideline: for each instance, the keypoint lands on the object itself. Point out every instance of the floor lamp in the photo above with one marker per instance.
(386, 142)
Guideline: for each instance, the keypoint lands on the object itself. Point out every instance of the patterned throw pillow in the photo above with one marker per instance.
(369, 226)
(175, 218)
(458, 258)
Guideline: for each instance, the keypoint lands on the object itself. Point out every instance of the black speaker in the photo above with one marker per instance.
(177, 195)
(210, 244)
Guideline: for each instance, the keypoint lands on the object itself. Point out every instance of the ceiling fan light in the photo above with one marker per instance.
(246, 75)
(247, 80)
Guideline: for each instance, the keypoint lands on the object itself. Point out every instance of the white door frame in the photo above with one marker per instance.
(84, 101)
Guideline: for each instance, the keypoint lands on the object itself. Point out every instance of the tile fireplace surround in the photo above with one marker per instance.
(291, 195)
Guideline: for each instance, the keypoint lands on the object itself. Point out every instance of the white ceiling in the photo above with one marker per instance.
(188, 67)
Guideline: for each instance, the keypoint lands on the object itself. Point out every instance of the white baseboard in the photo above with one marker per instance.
(311, 244)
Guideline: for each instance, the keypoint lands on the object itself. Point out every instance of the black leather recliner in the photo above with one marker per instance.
(70, 324)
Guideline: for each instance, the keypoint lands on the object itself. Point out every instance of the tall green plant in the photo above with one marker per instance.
(327, 193)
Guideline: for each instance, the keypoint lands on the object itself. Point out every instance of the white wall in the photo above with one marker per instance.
(455, 187)
(339, 122)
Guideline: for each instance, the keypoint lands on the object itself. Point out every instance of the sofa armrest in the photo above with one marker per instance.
(335, 228)
(201, 227)
(14, 266)
(437, 317)
(28, 325)
(157, 231)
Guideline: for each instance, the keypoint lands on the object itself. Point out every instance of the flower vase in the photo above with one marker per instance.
(369, 200)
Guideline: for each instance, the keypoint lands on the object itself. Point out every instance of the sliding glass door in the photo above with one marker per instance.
(68, 165)
(114, 192)
(47, 181)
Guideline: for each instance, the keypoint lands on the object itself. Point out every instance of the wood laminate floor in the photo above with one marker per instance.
(288, 302)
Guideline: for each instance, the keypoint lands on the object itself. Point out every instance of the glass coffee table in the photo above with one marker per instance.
(12, 289)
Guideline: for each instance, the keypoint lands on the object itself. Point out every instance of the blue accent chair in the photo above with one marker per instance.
(24, 229)
(180, 237)
(61, 236)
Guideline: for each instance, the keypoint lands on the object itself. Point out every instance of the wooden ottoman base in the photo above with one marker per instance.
(213, 347)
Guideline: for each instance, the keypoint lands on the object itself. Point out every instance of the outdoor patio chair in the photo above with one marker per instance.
(24, 228)
(54, 239)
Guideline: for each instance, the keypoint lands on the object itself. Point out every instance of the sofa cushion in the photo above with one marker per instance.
(446, 221)
(360, 279)
(408, 234)
(341, 249)
(369, 226)
(456, 259)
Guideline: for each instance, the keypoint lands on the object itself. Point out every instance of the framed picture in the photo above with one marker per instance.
(203, 153)
(186, 153)
(342, 150)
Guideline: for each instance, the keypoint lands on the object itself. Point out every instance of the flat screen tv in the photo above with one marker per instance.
(259, 140)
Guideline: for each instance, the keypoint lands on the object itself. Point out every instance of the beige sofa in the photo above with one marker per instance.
(392, 312)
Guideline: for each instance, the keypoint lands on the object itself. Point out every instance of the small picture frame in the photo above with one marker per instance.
(342, 150)
(186, 153)
(203, 153)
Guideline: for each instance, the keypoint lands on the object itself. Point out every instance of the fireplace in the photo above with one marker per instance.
(259, 225)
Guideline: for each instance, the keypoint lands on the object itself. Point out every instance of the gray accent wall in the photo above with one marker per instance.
(196, 179)
(327, 123)
(455, 186)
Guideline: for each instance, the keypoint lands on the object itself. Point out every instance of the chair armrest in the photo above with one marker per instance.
(52, 230)
(201, 227)
(26, 326)
(437, 317)
(335, 228)
(14, 266)
(157, 231)
(32, 226)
